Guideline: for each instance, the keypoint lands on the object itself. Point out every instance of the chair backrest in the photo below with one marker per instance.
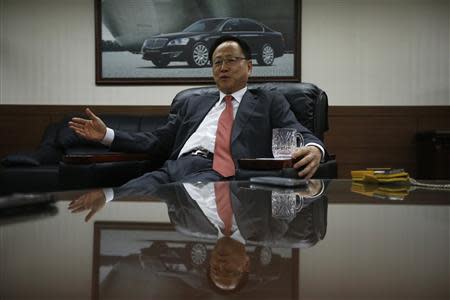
(308, 102)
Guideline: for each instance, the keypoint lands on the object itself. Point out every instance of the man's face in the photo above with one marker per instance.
(232, 74)
(228, 263)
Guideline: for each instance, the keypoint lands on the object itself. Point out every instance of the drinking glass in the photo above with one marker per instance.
(285, 141)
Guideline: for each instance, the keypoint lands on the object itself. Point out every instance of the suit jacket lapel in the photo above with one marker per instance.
(207, 102)
(246, 108)
(202, 109)
(247, 219)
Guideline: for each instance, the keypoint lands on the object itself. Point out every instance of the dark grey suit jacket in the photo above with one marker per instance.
(253, 216)
(253, 213)
(259, 112)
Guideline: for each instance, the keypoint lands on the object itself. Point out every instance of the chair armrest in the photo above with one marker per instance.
(246, 174)
(20, 159)
(81, 159)
(79, 171)
(265, 163)
(282, 168)
(327, 170)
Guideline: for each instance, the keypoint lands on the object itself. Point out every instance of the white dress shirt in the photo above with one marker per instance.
(206, 200)
(205, 135)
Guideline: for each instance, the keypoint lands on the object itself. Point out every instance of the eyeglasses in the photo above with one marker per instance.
(229, 61)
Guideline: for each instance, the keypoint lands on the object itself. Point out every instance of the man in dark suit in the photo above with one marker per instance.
(208, 134)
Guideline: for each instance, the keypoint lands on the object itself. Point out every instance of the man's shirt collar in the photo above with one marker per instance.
(236, 95)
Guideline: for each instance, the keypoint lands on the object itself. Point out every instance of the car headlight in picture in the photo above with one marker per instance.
(178, 42)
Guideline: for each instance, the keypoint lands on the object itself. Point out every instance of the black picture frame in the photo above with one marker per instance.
(118, 56)
(130, 252)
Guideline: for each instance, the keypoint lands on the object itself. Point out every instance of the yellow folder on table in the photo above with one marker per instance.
(380, 175)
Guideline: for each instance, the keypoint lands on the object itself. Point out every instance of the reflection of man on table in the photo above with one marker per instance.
(229, 263)
(209, 133)
(233, 216)
(237, 220)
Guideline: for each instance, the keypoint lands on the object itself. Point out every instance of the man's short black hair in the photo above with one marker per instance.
(229, 38)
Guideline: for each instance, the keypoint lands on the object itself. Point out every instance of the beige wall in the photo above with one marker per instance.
(384, 52)
(362, 52)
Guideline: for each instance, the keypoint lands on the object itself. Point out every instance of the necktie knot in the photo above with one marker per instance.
(228, 99)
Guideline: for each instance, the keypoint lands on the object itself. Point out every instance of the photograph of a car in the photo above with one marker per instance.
(192, 44)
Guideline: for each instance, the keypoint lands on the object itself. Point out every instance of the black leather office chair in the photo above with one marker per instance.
(309, 104)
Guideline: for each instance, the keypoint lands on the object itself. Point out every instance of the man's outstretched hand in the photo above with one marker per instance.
(93, 201)
(309, 158)
(92, 129)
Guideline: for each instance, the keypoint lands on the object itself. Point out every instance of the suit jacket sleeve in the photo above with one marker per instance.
(156, 143)
(260, 112)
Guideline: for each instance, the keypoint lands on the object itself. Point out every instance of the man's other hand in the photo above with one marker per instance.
(309, 158)
(92, 129)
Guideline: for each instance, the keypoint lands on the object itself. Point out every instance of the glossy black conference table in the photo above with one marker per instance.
(328, 240)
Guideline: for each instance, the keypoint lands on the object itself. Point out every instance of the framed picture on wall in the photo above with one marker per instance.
(168, 42)
(154, 261)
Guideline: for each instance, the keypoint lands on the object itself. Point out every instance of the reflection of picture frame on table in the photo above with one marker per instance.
(152, 260)
(142, 41)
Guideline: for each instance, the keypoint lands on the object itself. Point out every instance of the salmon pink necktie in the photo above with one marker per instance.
(223, 162)
(223, 202)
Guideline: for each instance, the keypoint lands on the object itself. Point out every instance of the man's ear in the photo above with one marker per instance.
(250, 67)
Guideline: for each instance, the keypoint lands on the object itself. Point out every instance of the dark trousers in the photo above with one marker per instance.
(188, 168)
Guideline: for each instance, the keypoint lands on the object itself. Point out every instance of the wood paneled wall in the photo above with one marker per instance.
(360, 137)
(22, 126)
(373, 136)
